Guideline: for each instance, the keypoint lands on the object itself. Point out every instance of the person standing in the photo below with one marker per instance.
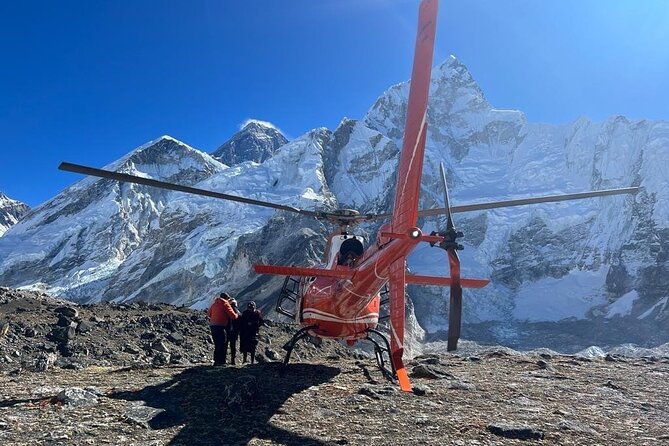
(232, 331)
(249, 324)
(220, 314)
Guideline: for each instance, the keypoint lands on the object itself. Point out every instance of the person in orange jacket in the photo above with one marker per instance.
(220, 315)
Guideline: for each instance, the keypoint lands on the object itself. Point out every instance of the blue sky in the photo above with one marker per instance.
(87, 81)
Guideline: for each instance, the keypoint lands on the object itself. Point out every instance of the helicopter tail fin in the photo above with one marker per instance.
(410, 167)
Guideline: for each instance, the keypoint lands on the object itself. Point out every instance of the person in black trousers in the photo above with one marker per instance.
(249, 324)
(232, 331)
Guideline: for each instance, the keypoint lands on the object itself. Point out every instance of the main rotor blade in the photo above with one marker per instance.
(524, 201)
(124, 177)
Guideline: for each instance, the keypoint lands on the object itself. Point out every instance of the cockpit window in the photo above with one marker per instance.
(350, 251)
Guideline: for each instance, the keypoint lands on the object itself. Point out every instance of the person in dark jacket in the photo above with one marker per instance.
(232, 331)
(220, 313)
(249, 324)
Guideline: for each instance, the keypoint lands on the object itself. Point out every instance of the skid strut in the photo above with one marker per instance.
(379, 349)
(288, 347)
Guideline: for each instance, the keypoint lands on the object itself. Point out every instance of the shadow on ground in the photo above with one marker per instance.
(230, 406)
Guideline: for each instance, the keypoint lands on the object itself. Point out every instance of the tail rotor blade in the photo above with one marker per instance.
(455, 307)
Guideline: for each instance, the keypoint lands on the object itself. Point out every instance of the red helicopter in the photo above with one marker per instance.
(342, 299)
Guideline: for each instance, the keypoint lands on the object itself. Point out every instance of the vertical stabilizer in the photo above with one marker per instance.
(405, 210)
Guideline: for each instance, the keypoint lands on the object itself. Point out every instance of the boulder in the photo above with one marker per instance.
(77, 397)
(430, 372)
(67, 312)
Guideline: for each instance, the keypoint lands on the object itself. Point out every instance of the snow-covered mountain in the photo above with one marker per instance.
(11, 211)
(256, 141)
(603, 259)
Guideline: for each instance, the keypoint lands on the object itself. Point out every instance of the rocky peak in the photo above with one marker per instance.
(256, 141)
(453, 90)
(169, 159)
(11, 212)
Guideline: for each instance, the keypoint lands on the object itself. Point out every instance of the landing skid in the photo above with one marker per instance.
(381, 348)
(290, 345)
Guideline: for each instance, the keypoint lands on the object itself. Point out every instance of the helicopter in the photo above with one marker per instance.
(342, 299)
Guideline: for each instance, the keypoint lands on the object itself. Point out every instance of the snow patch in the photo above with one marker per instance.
(623, 306)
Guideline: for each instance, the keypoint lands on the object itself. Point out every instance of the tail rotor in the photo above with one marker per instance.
(451, 246)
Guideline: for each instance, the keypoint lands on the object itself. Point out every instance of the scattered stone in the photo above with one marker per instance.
(4, 329)
(610, 385)
(69, 312)
(430, 372)
(72, 365)
(315, 340)
(459, 385)
(368, 391)
(272, 355)
(77, 397)
(159, 346)
(132, 349)
(544, 365)
(161, 358)
(427, 359)
(420, 389)
(84, 327)
(576, 426)
(176, 338)
(141, 415)
(515, 431)
(44, 361)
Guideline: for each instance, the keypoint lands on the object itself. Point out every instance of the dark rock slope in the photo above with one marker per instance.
(78, 375)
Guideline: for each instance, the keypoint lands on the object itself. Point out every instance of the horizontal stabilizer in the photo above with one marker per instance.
(445, 281)
(302, 271)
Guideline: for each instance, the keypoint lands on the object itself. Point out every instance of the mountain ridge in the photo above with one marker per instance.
(594, 253)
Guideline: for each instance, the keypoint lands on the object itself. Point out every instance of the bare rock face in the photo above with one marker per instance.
(11, 211)
(256, 141)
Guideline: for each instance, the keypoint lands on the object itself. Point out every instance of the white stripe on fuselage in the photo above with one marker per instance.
(313, 313)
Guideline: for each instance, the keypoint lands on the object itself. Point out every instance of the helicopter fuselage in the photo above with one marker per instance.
(345, 308)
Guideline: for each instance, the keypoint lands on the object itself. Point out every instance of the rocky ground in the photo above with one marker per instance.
(141, 375)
